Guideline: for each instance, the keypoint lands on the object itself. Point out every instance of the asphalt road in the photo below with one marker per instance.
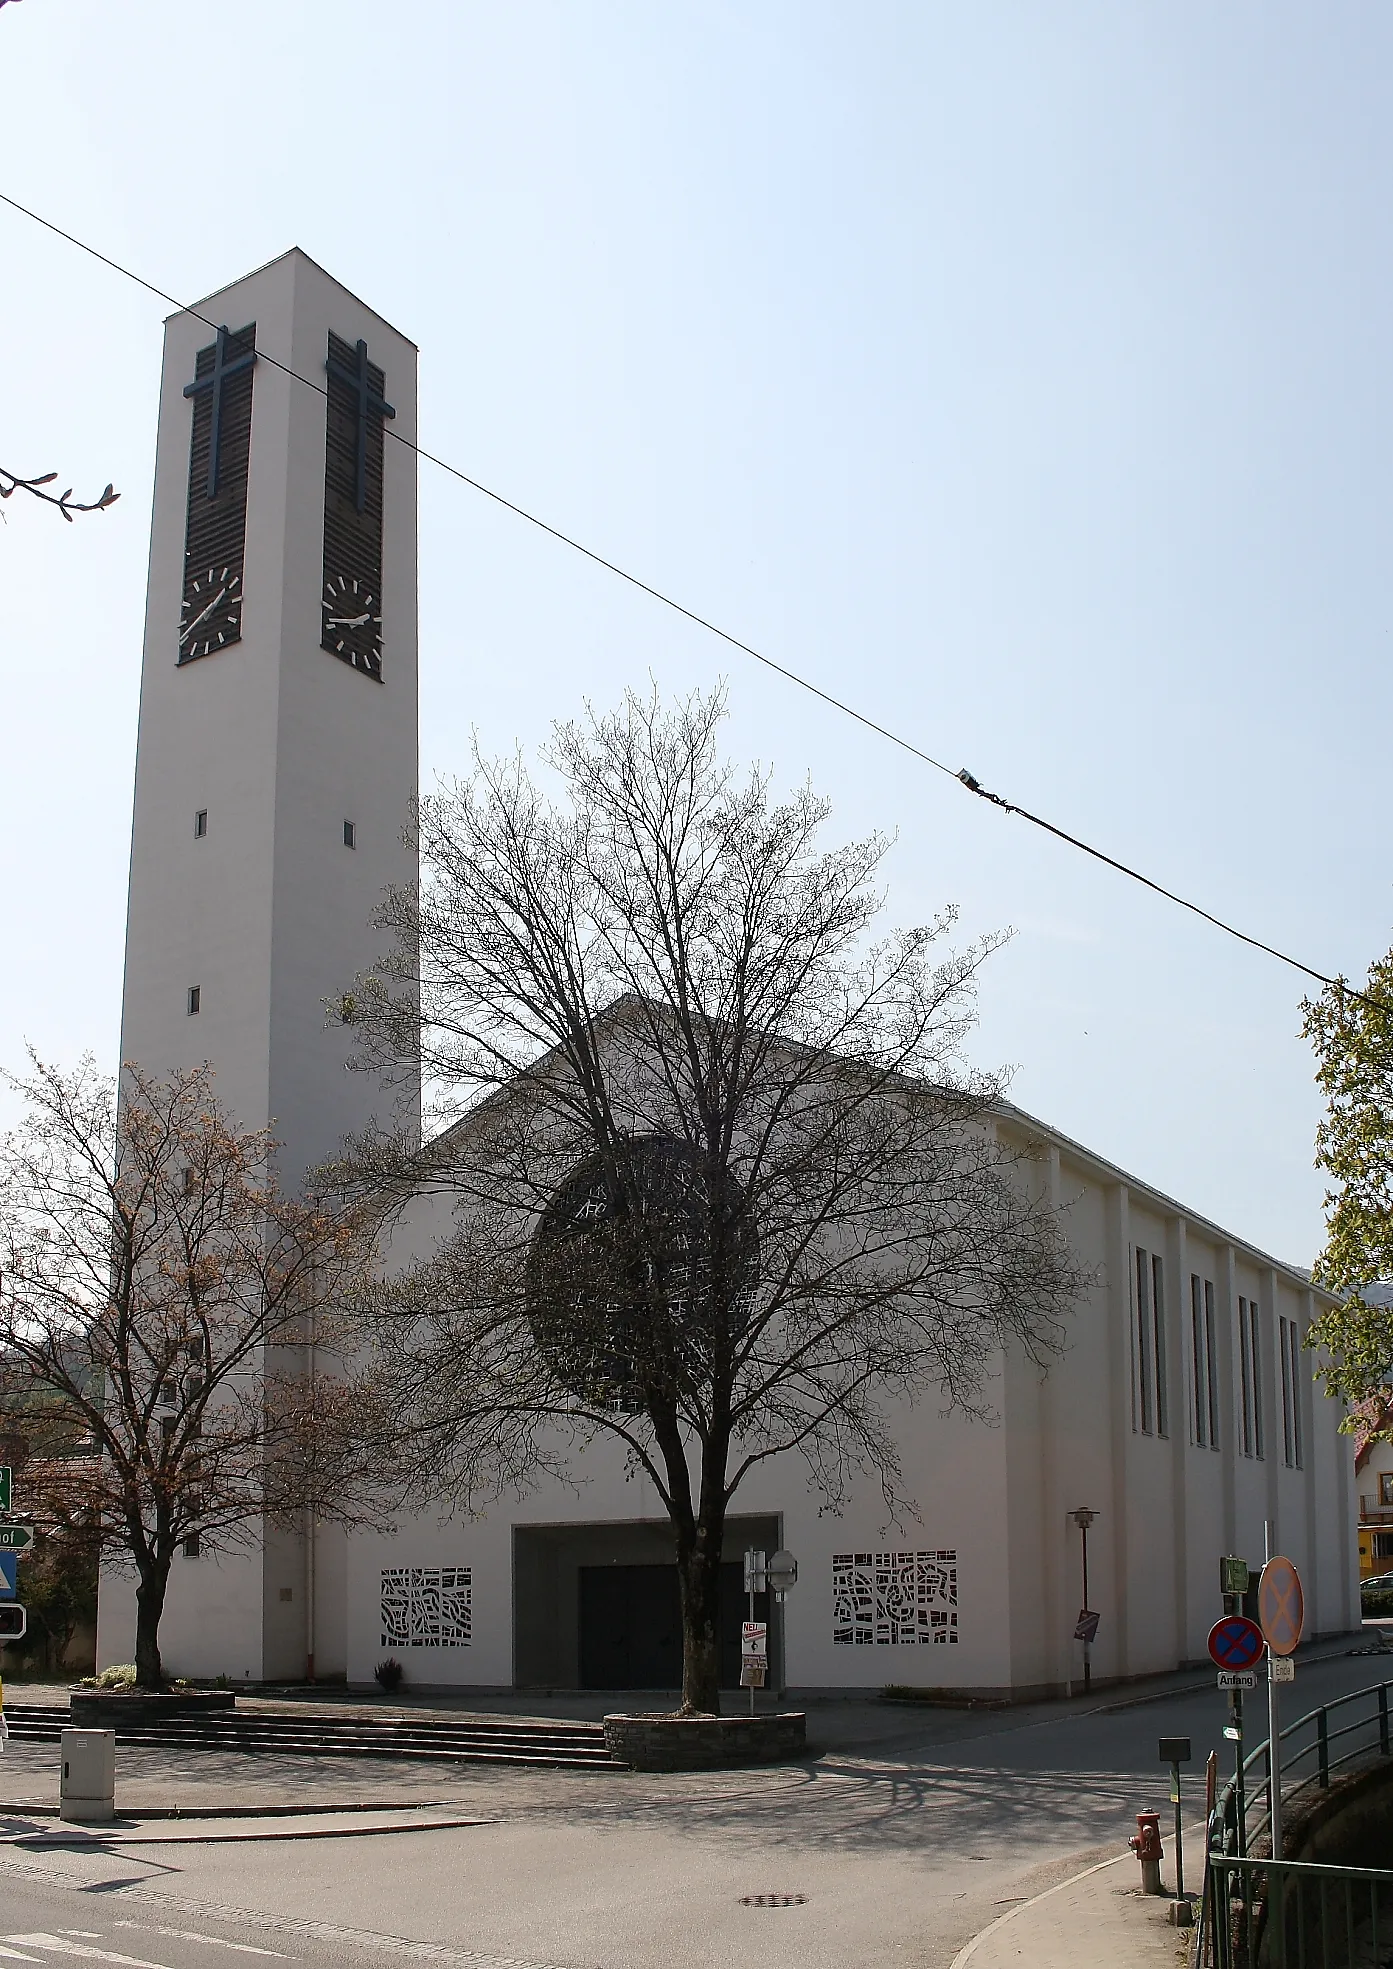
(891, 1848)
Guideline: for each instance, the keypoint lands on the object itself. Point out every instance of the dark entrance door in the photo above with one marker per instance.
(631, 1627)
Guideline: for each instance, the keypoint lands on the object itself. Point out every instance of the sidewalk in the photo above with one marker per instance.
(1098, 1918)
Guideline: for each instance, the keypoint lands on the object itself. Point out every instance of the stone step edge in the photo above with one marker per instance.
(328, 1725)
(253, 1739)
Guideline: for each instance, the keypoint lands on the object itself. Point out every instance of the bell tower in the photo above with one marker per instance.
(276, 767)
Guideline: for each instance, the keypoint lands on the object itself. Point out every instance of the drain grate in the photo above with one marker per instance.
(773, 1900)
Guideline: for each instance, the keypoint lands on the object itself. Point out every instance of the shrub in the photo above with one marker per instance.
(122, 1677)
(388, 1675)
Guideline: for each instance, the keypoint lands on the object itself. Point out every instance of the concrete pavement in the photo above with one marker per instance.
(903, 1843)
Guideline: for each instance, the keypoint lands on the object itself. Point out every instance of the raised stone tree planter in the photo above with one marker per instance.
(704, 1743)
(113, 1709)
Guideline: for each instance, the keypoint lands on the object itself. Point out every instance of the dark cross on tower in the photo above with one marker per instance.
(215, 379)
(369, 403)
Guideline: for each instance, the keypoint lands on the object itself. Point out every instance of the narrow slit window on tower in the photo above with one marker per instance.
(200, 823)
(350, 834)
(191, 1547)
(195, 1000)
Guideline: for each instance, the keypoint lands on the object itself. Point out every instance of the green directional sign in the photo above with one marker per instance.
(16, 1538)
(4, 1487)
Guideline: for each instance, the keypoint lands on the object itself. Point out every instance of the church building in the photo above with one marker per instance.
(277, 764)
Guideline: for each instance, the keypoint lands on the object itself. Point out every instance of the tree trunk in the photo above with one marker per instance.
(149, 1606)
(699, 1583)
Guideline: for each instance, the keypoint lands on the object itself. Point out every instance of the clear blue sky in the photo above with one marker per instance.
(1021, 372)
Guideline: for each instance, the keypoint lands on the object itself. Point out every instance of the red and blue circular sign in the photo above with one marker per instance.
(1235, 1642)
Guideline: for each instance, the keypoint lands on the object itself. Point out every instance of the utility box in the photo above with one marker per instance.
(87, 1787)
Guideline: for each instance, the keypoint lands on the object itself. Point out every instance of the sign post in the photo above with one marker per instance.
(1087, 1624)
(1282, 1611)
(756, 1581)
(1175, 1751)
(1236, 1647)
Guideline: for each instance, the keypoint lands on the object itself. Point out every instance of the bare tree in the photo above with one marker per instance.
(11, 482)
(726, 1190)
(155, 1282)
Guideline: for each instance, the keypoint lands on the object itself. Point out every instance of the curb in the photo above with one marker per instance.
(185, 1812)
(969, 1948)
(114, 1838)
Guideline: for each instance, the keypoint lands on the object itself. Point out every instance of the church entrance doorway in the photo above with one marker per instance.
(631, 1627)
(596, 1606)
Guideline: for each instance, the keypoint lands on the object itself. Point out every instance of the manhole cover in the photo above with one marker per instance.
(773, 1900)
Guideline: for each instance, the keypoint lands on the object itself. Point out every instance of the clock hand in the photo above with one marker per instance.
(348, 621)
(189, 627)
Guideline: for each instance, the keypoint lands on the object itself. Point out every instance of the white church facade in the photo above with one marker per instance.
(276, 768)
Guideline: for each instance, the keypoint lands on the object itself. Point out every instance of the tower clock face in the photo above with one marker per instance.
(352, 616)
(211, 613)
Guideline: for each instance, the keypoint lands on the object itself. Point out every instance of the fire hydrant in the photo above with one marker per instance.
(1146, 1844)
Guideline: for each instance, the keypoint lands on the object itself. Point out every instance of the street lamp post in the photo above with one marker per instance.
(1083, 1518)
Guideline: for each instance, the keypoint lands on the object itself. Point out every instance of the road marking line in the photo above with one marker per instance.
(13, 1955)
(212, 1941)
(61, 1945)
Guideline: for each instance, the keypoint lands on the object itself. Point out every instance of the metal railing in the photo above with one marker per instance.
(1261, 1913)
(1346, 1731)
(1292, 1914)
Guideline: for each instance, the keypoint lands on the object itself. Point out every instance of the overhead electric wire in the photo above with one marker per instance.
(963, 776)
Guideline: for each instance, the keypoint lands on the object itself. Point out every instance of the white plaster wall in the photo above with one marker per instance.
(999, 1491)
(270, 914)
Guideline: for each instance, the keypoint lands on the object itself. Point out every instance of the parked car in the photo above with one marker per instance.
(1376, 1596)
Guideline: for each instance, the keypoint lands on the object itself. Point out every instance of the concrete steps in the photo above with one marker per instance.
(574, 1746)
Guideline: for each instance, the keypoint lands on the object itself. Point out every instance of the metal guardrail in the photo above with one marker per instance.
(1292, 1914)
(1339, 1733)
(1276, 1913)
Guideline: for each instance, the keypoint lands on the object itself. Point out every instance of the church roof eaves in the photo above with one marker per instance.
(1168, 1206)
(1088, 1159)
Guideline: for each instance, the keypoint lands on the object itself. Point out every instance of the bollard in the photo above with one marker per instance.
(1146, 1844)
(87, 1786)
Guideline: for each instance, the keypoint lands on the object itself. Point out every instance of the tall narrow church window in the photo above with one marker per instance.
(350, 835)
(1151, 1407)
(1158, 1339)
(351, 602)
(1284, 1364)
(195, 1000)
(200, 824)
(1197, 1356)
(1289, 1346)
(1204, 1362)
(216, 529)
(1144, 1341)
